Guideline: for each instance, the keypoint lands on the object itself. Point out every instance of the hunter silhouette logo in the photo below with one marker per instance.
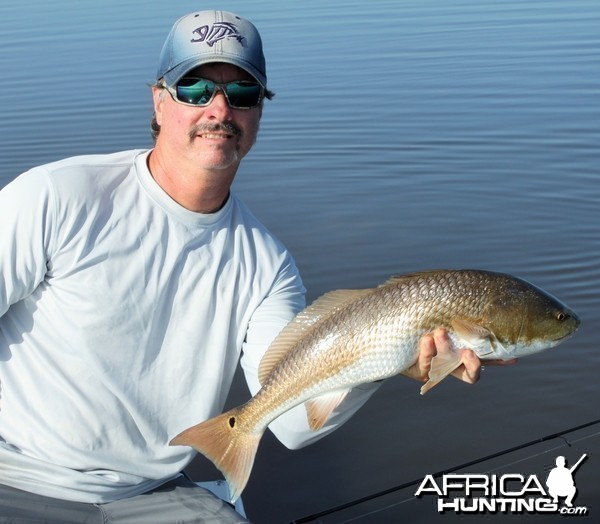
(514, 493)
(560, 481)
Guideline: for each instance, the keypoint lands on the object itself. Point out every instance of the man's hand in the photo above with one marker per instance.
(439, 342)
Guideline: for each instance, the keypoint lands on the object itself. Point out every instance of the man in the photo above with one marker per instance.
(130, 284)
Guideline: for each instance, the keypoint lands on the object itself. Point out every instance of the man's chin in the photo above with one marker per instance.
(221, 163)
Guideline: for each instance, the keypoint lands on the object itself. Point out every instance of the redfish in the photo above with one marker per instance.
(351, 337)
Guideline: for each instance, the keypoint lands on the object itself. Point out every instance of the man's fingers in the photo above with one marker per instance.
(470, 367)
(442, 340)
(438, 343)
(420, 369)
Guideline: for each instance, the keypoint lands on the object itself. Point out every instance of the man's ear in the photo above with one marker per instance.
(158, 95)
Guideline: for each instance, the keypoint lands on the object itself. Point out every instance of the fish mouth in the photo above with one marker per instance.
(565, 337)
(572, 324)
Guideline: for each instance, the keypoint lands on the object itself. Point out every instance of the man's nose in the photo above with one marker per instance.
(219, 107)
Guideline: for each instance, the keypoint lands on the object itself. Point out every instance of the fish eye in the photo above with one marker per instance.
(560, 316)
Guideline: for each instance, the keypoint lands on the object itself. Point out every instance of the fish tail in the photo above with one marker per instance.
(229, 445)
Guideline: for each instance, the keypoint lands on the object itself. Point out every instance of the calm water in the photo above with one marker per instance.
(405, 135)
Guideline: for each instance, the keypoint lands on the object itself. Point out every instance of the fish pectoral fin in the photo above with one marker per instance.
(320, 408)
(441, 366)
(477, 337)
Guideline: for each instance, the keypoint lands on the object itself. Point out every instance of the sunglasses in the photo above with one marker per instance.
(199, 92)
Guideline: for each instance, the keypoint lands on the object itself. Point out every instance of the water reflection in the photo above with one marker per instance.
(404, 136)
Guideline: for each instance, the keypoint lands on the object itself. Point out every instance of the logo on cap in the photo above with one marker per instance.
(218, 31)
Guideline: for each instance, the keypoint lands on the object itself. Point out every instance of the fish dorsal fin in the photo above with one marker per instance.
(479, 338)
(289, 336)
(398, 279)
(319, 409)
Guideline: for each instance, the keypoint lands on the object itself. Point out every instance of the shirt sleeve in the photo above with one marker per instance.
(276, 310)
(24, 224)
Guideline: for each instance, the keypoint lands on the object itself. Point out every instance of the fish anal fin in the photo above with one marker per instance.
(441, 366)
(291, 334)
(320, 408)
(230, 448)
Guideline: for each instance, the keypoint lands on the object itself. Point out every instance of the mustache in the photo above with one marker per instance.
(228, 128)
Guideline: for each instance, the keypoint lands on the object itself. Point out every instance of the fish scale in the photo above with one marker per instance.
(351, 337)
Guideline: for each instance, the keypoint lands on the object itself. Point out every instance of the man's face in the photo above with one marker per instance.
(213, 137)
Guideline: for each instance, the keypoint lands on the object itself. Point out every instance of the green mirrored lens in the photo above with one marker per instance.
(199, 92)
(243, 94)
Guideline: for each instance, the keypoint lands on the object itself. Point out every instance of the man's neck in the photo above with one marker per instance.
(198, 190)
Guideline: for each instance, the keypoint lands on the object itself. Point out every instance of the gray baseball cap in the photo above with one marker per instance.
(211, 36)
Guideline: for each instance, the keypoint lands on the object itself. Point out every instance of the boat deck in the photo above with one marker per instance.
(535, 458)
